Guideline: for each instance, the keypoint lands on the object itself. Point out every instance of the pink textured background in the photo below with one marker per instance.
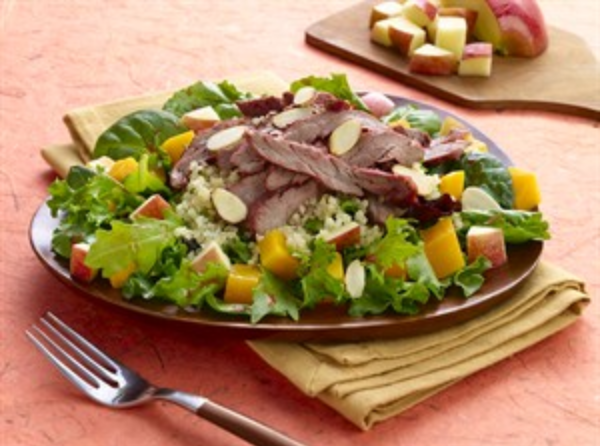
(56, 55)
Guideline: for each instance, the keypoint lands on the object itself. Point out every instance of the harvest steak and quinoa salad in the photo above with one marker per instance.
(259, 205)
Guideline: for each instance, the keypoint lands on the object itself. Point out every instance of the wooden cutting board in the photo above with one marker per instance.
(564, 79)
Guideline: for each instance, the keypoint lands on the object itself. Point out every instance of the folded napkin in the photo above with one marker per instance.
(368, 382)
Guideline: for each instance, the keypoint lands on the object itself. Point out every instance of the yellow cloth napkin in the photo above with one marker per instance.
(368, 382)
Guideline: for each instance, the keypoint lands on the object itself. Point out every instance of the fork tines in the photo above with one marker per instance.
(76, 357)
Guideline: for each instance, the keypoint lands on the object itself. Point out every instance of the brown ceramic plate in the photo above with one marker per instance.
(327, 323)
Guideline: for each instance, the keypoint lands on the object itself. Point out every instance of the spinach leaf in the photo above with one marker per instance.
(137, 133)
(486, 171)
(421, 119)
(221, 97)
(336, 84)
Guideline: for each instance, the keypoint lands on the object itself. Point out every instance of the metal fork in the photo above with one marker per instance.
(115, 385)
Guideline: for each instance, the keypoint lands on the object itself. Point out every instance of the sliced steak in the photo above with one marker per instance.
(197, 152)
(278, 178)
(275, 211)
(379, 211)
(250, 189)
(441, 151)
(394, 189)
(254, 108)
(321, 125)
(380, 147)
(332, 172)
(327, 101)
(420, 136)
(246, 160)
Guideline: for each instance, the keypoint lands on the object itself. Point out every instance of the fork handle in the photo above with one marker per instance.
(242, 426)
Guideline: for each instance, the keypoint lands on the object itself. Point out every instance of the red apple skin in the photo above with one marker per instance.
(477, 49)
(402, 38)
(433, 65)
(77, 267)
(486, 242)
(153, 207)
(379, 104)
(523, 25)
(211, 254)
(427, 8)
(347, 235)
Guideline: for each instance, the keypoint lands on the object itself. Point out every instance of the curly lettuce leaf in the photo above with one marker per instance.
(517, 226)
(138, 133)
(221, 97)
(140, 243)
(398, 244)
(336, 84)
(145, 180)
(274, 296)
(317, 284)
(470, 278)
(86, 201)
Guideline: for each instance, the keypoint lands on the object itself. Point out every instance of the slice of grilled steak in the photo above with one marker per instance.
(380, 147)
(278, 178)
(275, 210)
(251, 188)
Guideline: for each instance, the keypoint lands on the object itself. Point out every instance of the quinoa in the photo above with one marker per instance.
(203, 225)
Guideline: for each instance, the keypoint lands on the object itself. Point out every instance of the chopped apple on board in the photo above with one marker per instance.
(385, 10)
(451, 34)
(405, 36)
(420, 12)
(476, 60)
(432, 60)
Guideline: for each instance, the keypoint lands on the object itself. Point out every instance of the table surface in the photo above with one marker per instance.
(57, 55)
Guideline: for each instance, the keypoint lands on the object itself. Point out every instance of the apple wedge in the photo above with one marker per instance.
(200, 119)
(432, 60)
(345, 236)
(476, 60)
(513, 27)
(451, 34)
(154, 207)
(405, 36)
(77, 267)
(487, 242)
(420, 12)
(383, 11)
(212, 253)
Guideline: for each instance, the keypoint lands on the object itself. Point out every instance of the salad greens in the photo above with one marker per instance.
(95, 208)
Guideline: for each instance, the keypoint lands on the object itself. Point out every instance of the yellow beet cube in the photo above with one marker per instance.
(275, 256)
(336, 268)
(453, 184)
(442, 248)
(176, 145)
(241, 281)
(525, 188)
(121, 168)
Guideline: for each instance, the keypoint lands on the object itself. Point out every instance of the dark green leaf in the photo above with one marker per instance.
(138, 133)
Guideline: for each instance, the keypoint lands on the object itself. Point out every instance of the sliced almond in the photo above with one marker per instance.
(426, 184)
(304, 95)
(287, 117)
(355, 279)
(201, 118)
(103, 162)
(212, 253)
(476, 199)
(229, 207)
(345, 136)
(226, 138)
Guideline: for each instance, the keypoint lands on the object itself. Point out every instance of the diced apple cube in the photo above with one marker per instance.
(451, 34)
(154, 207)
(383, 11)
(346, 235)
(432, 60)
(379, 104)
(77, 267)
(420, 12)
(476, 60)
(201, 118)
(380, 33)
(212, 253)
(470, 16)
(487, 242)
(405, 36)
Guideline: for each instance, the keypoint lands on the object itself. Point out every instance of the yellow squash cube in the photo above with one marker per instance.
(525, 188)
(453, 184)
(176, 145)
(241, 281)
(442, 248)
(275, 256)
(123, 167)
